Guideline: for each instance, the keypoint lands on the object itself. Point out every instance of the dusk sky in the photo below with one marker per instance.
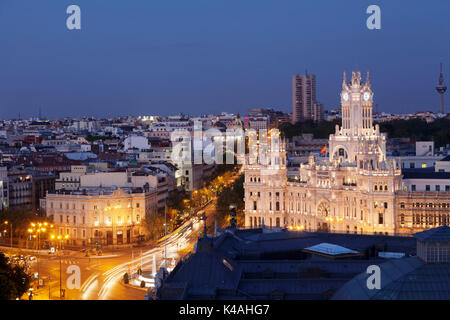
(163, 57)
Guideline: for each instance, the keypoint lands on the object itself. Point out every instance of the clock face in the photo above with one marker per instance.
(345, 96)
(366, 96)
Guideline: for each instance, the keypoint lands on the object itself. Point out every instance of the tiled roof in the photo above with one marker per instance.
(439, 234)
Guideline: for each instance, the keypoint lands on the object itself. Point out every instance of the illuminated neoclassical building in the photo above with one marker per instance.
(354, 189)
(100, 216)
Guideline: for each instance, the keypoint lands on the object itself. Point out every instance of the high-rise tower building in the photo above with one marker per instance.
(304, 104)
(441, 88)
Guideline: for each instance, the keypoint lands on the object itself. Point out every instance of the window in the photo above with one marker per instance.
(380, 218)
(137, 205)
(385, 205)
(74, 219)
(254, 205)
(277, 206)
(447, 188)
(411, 165)
(427, 187)
(438, 187)
(61, 219)
(83, 220)
(413, 187)
(67, 219)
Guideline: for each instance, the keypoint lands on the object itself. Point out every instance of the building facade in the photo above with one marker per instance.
(4, 190)
(100, 216)
(356, 189)
(304, 104)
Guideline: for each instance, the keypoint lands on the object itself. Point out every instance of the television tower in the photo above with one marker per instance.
(441, 88)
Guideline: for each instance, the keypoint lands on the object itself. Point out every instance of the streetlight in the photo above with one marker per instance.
(37, 228)
(60, 237)
(10, 230)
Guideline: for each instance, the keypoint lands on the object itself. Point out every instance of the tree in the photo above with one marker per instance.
(320, 130)
(232, 194)
(20, 219)
(14, 280)
(154, 223)
(175, 200)
(419, 130)
(416, 129)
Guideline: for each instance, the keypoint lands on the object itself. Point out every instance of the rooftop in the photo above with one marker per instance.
(439, 234)
(427, 173)
(253, 264)
(330, 249)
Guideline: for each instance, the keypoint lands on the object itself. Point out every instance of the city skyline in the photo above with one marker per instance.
(159, 58)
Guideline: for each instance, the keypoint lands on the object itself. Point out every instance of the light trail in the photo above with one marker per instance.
(174, 242)
(114, 275)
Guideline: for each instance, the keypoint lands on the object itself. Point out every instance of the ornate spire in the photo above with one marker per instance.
(344, 82)
(368, 77)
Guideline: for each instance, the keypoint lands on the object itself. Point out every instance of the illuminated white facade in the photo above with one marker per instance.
(101, 216)
(4, 190)
(353, 190)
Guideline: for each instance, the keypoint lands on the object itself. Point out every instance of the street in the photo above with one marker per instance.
(101, 276)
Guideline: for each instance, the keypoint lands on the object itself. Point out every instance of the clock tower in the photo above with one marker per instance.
(357, 137)
(356, 101)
